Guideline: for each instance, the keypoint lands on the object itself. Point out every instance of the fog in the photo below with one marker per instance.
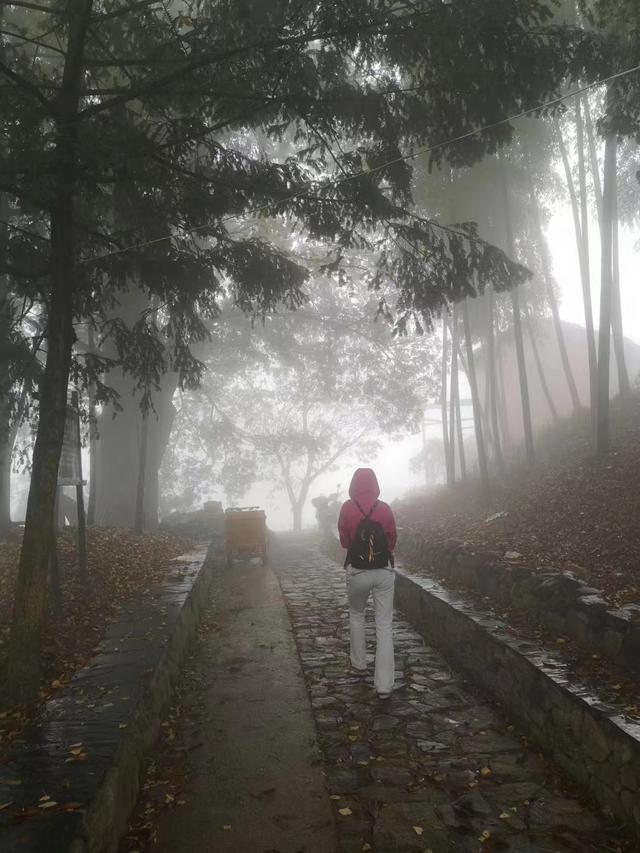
(295, 297)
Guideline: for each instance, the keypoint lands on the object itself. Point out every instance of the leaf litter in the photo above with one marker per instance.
(120, 564)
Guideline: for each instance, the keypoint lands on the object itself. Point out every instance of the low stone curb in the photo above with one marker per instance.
(594, 743)
(560, 601)
(72, 779)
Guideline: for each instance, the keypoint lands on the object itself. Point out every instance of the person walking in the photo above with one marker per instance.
(367, 530)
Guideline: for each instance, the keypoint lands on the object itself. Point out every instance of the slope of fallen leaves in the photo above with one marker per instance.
(571, 512)
(120, 564)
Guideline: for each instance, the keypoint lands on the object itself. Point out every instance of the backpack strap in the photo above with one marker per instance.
(365, 515)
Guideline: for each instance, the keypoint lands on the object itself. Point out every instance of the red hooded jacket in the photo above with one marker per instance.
(364, 489)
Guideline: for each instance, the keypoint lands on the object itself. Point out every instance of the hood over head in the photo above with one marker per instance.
(364, 482)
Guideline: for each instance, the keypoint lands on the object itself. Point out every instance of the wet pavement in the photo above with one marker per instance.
(252, 775)
(434, 768)
(280, 748)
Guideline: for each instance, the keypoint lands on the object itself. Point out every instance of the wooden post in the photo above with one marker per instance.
(82, 524)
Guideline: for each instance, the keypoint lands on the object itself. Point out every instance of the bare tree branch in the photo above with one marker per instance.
(38, 43)
(31, 88)
(22, 4)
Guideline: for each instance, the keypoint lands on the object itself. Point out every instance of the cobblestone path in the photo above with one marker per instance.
(433, 768)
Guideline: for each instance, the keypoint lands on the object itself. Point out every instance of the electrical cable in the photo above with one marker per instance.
(364, 172)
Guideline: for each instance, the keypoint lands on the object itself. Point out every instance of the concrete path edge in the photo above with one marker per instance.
(595, 745)
(106, 817)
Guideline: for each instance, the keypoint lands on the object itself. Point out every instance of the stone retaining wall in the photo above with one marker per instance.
(595, 745)
(73, 778)
(560, 601)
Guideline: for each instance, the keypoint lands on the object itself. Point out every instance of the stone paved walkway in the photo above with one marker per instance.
(432, 769)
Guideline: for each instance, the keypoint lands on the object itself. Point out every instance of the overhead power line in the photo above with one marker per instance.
(334, 182)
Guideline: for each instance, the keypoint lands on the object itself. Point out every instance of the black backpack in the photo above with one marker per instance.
(369, 549)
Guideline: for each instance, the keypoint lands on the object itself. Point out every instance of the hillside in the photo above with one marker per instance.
(571, 512)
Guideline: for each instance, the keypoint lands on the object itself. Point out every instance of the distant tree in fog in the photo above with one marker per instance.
(292, 398)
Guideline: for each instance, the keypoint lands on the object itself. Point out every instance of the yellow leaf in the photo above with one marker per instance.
(48, 805)
(346, 812)
(76, 751)
(484, 836)
(44, 798)
(227, 827)
(505, 815)
(56, 684)
(485, 771)
(418, 830)
(334, 797)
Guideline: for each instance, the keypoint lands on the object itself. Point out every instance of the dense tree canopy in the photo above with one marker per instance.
(142, 146)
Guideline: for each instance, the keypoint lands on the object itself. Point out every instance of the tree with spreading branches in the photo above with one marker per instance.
(123, 167)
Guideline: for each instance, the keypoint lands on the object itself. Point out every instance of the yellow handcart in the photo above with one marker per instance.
(245, 533)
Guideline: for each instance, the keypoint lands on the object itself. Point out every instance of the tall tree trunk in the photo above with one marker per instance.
(443, 407)
(117, 450)
(491, 380)
(6, 443)
(93, 439)
(501, 395)
(585, 277)
(617, 327)
(5, 486)
(460, 432)
(23, 668)
(139, 519)
(5, 408)
(117, 455)
(517, 327)
(553, 302)
(453, 392)
(456, 426)
(475, 399)
(538, 361)
(606, 286)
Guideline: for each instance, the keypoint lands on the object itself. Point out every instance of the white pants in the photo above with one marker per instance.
(359, 585)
